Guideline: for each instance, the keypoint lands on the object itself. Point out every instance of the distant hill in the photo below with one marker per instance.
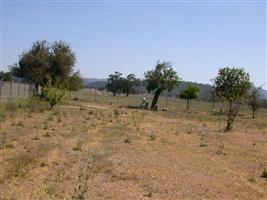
(205, 89)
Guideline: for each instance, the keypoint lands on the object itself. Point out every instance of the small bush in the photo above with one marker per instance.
(2, 114)
(35, 104)
(54, 95)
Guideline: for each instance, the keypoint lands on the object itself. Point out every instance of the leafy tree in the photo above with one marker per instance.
(45, 62)
(62, 61)
(161, 78)
(115, 82)
(191, 92)
(129, 84)
(232, 84)
(75, 82)
(254, 100)
(33, 65)
(5, 76)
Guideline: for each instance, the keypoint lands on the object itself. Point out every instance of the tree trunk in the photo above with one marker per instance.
(232, 113)
(253, 113)
(187, 105)
(155, 99)
(36, 86)
(114, 94)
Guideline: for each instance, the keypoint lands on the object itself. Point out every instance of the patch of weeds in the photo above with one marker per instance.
(46, 135)
(20, 124)
(78, 146)
(82, 108)
(59, 119)
(3, 140)
(116, 113)
(149, 194)
(46, 127)
(19, 165)
(50, 118)
(203, 145)
(152, 137)
(56, 113)
(78, 197)
(75, 99)
(91, 112)
(127, 140)
(29, 115)
(264, 173)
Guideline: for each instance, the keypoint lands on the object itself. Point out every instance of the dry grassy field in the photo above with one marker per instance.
(87, 149)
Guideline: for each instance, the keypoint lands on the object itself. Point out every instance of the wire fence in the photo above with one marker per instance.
(12, 89)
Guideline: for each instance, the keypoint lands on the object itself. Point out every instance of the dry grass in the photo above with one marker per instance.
(97, 150)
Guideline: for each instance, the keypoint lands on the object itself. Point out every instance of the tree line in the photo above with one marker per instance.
(231, 85)
(51, 65)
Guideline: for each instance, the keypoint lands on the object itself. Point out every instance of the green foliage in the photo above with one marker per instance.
(115, 83)
(45, 62)
(191, 92)
(5, 76)
(232, 84)
(161, 78)
(53, 95)
(254, 100)
(75, 82)
(129, 84)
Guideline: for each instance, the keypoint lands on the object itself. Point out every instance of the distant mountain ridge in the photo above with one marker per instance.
(205, 89)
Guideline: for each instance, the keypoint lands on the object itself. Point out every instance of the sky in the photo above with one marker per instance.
(197, 37)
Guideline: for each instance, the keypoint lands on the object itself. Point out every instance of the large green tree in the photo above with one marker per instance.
(33, 65)
(45, 62)
(163, 77)
(115, 83)
(75, 82)
(129, 84)
(191, 92)
(232, 85)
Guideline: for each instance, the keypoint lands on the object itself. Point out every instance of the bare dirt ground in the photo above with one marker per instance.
(96, 151)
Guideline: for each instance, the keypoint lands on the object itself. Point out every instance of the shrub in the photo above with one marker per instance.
(2, 113)
(35, 104)
(54, 95)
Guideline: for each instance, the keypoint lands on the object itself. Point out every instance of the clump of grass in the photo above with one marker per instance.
(78, 146)
(127, 140)
(46, 127)
(3, 140)
(20, 124)
(56, 113)
(116, 113)
(82, 108)
(75, 99)
(152, 137)
(50, 118)
(59, 119)
(203, 145)
(264, 173)
(46, 135)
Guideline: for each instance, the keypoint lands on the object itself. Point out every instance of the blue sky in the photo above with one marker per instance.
(198, 37)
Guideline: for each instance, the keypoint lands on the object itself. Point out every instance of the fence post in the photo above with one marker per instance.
(24, 90)
(1, 84)
(10, 91)
(18, 88)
